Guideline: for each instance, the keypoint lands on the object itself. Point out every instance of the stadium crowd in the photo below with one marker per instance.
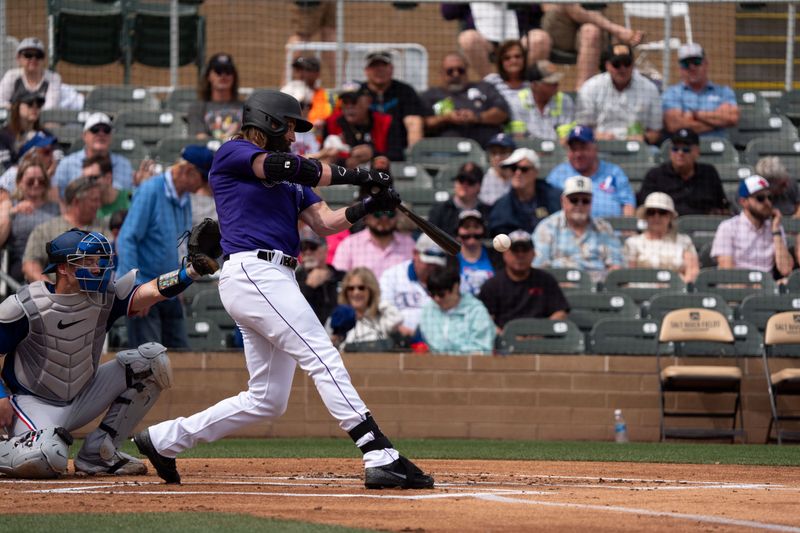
(377, 285)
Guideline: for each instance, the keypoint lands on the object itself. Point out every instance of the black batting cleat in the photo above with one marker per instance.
(165, 466)
(400, 474)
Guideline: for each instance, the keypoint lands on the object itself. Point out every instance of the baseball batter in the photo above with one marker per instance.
(52, 383)
(261, 190)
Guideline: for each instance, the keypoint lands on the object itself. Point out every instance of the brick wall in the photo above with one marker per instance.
(547, 397)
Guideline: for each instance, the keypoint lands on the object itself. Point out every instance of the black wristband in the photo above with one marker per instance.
(355, 212)
(347, 176)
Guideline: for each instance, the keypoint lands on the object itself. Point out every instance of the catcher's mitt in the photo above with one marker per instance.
(204, 247)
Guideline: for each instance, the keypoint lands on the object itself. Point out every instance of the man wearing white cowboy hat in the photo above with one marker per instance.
(660, 245)
(754, 238)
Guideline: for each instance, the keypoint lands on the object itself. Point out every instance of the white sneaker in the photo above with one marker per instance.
(121, 464)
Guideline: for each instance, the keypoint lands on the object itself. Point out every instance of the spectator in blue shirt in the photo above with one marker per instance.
(696, 103)
(97, 141)
(613, 195)
(160, 213)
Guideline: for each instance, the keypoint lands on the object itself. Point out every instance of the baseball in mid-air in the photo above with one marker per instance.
(501, 243)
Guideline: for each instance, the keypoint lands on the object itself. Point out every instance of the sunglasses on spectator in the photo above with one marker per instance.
(33, 55)
(93, 177)
(622, 62)
(761, 198)
(684, 149)
(353, 288)
(36, 102)
(522, 168)
(467, 236)
(30, 182)
(696, 61)
(456, 71)
(309, 247)
(221, 71)
(100, 128)
(654, 212)
(574, 200)
(467, 180)
(387, 214)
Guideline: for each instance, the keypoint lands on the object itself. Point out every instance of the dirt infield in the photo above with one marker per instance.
(470, 495)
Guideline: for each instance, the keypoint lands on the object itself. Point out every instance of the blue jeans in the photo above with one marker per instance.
(163, 324)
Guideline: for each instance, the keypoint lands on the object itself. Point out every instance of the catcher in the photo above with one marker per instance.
(52, 338)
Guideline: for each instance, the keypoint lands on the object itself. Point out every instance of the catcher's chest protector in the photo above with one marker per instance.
(65, 338)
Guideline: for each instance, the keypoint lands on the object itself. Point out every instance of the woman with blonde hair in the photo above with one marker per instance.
(375, 320)
(661, 246)
(24, 210)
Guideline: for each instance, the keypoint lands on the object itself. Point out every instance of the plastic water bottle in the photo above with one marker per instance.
(620, 428)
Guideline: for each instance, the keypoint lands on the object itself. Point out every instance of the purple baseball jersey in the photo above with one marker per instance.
(253, 215)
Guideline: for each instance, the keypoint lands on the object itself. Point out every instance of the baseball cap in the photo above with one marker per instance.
(309, 235)
(657, 200)
(382, 56)
(619, 51)
(220, 61)
(518, 155)
(200, 156)
(39, 140)
(544, 71)
(751, 185)
(690, 50)
(470, 173)
(502, 139)
(94, 119)
(27, 97)
(583, 134)
(685, 136)
(577, 184)
(30, 43)
(520, 239)
(470, 214)
(429, 251)
(352, 89)
(310, 63)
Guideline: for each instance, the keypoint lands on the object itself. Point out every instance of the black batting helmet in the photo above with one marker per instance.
(268, 110)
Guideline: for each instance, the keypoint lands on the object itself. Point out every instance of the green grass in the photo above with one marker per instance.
(698, 453)
(180, 522)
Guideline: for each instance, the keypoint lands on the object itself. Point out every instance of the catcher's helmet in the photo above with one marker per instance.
(268, 110)
(89, 251)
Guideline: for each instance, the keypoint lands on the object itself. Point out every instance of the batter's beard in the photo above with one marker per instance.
(278, 144)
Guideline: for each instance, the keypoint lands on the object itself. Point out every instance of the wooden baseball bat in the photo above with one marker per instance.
(445, 241)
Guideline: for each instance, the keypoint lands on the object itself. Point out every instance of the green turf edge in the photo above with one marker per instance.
(181, 522)
(639, 452)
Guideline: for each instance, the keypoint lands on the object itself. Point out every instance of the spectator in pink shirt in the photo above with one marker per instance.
(754, 238)
(377, 247)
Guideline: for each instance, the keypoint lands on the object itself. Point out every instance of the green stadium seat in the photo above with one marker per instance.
(660, 304)
(434, 153)
(208, 304)
(168, 149)
(339, 195)
(586, 308)
(733, 285)
(571, 279)
(754, 125)
(180, 99)
(643, 283)
(787, 149)
(542, 336)
(624, 336)
(149, 126)
(85, 32)
(151, 35)
(405, 173)
(114, 99)
(789, 105)
(204, 335)
(632, 156)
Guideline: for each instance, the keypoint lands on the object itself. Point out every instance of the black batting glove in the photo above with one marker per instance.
(384, 200)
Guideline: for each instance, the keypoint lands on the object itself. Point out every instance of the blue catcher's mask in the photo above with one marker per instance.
(90, 253)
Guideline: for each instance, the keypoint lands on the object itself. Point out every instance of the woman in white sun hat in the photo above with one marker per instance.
(661, 246)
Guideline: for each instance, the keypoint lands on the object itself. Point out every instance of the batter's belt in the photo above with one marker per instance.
(269, 255)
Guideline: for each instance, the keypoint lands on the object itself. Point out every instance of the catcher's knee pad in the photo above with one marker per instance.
(148, 362)
(37, 454)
